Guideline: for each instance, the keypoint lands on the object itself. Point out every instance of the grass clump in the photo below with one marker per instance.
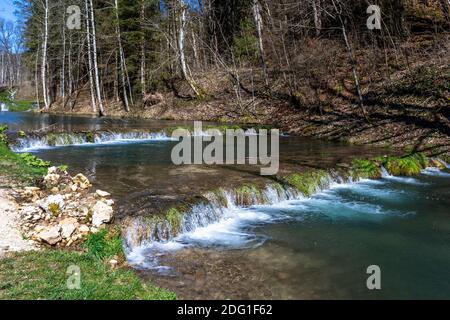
(34, 161)
(308, 182)
(43, 275)
(104, 244)
(22, 169)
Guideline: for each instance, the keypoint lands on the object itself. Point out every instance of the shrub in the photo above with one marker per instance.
(34, 161)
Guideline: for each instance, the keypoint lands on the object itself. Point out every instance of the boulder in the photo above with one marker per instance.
(103, 194)
(81, 181)
(30, 211)
(53, 203)
(50, 235)
(102, 214)
(68, 227)
(84, 229)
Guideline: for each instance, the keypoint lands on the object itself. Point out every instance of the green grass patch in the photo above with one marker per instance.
(104, 244)
(15, 105)
(15, 167)
(44, 274)
(19, 106)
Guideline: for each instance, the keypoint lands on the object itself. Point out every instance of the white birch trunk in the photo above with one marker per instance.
(259, 26)
(91, 77)
(44, 57)
(96, 72)
(181, 41)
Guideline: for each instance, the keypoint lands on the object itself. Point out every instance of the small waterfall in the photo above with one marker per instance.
(217, 206)
(384, 173)
(3, 107)
(70, 139)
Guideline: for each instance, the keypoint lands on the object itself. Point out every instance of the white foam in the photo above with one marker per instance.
(435, 172)
(35, 144)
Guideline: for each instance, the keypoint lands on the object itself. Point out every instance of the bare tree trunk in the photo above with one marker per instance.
(63, 71)
(259, 26)
(142, 18)
(317, 16)
(96, 72)
(44, 57)
(181, 40)
(36, 76)
(91, 76)
(121, 59)
(353, 61)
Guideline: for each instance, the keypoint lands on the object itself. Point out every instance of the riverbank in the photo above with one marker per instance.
(26, 227)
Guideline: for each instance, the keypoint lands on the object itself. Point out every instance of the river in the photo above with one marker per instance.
(293, 248)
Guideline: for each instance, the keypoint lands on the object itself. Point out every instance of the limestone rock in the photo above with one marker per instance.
(81, 181)
(53, 203)
(50, 235)
(102, 213)
(103, 194)
(84, 228)
(68, 227)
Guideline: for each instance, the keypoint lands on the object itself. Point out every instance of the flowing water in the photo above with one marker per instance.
(288, 247)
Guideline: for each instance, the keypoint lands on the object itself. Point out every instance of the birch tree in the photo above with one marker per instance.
(181, 48)
(256, 8)
(122, 63)
(44, 57)
(94, 55)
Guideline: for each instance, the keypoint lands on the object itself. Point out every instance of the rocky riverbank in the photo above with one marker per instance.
(62, 210)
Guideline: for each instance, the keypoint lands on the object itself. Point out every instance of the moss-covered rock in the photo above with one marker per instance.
(366, 169)
(404, 166)
(248, 195)
(308, 182)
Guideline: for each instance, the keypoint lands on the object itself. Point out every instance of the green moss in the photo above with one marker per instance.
(174, 217)
(308, 182)
(220, 197)
(367, 169)
(54, 209)
(90, 137)
(42, 275)
(404, 166)
(247, 195)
